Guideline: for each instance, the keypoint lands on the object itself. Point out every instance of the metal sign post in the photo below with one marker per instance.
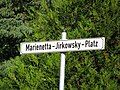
(62, 66)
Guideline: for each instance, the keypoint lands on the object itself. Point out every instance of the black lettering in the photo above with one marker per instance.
(66, 45)
(79, 45)
(75, 44)
(27, 47)
(36, 47)
(30, 48)
(33, 47)
(87, 43)
(49, 46)
(96, 43)
(69, 45)
(62, 45)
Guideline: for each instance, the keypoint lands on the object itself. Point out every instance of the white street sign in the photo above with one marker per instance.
(63, 45)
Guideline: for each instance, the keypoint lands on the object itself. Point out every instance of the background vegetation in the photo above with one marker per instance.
(44, 20)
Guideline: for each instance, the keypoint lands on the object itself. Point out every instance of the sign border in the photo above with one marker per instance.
(103, 45)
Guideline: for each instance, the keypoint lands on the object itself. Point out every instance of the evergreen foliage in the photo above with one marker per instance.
(44, 20)
(13, 30)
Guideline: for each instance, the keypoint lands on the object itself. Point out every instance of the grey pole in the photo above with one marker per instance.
(62, 66)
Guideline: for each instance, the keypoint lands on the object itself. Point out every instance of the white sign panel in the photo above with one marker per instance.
(63, 45)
